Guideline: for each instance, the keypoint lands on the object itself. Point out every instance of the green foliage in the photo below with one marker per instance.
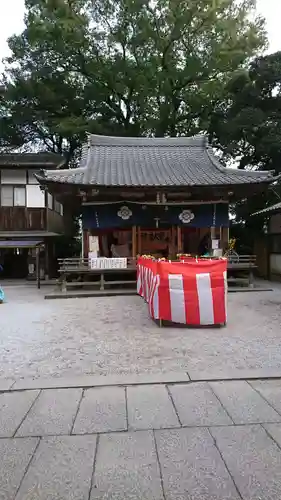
(122, 67)
(247, 123)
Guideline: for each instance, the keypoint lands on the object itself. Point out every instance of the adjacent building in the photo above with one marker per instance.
(30, 218)
(270, 249)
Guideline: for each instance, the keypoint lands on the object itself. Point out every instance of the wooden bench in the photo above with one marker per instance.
(76, 272)
(241, 271)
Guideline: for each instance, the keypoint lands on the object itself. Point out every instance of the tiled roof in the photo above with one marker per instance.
(43, 159)
(127, 161)
(269, 210)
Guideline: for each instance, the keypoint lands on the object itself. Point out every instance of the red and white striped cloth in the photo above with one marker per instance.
(192, 292)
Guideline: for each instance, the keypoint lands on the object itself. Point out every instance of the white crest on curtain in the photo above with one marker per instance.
(125, 213)
(186, 216)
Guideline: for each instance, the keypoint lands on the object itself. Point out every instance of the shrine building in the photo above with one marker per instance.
(157, 196)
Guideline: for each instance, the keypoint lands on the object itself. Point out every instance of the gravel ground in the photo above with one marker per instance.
(114, 335)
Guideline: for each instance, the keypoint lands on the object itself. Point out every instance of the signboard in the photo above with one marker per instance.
(108, 263)
(93, 244)
(215, 244)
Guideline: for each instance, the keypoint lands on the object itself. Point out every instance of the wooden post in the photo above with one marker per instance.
(139, 240)
(134, 242)
(213, 233)
(179, 238)
(82, 244)
(38, 267)
(172, 246)
(102, 281)
(251, 278)
(64, 282)
(46, 260)
(85, 237)
(225, 238)
(221, 239)
(213, 237)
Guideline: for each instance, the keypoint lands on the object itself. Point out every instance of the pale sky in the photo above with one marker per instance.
(11, 21)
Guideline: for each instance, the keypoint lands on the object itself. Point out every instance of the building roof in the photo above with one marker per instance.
(19, 244)
(269, 210)
(27, 234)
(27, 160)
(151, 162)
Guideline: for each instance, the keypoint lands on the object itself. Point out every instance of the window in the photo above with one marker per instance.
(57, 206)
(19, 196)
(13, 196)
(7, 196)
(35, 197)
(50, 201)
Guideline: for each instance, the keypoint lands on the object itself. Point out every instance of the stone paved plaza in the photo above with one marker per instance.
(99, 403)
(114, 335)
(219, 440)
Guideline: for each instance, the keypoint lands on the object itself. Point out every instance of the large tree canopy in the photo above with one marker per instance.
(118, 67)
(247, 124)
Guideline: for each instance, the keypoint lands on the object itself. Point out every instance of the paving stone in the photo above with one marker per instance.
(275, 431)
(150, 407)
(60, 470)
(6, 384)
(102, 409)
(13, 408)
(100, 381)
(225, 373)
(253, 459)
(197, 405)
(53, 413)
(243, 403)
(270, 390)
(15, 455)
(192, 467)
(127, 468)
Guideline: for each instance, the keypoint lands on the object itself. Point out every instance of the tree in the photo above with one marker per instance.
(247, 123)
(246, 126)
(131, 67)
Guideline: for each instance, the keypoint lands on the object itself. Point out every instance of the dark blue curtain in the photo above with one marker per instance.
(129, 214)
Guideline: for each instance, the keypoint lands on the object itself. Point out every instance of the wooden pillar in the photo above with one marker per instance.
(82, 244)
(225, 238)
(85, 246)
(179, 240)
(221, 236)
(172, 245)
(38, 267)
(139, 241)
(134, 242)
(46, 259)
